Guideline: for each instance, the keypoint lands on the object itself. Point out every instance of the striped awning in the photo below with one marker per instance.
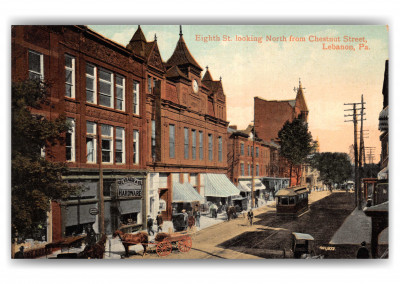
(218, 185)
(184, 192)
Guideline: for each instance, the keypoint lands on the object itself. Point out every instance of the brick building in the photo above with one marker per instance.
(269, 118)
(98, 84)
(186, 122)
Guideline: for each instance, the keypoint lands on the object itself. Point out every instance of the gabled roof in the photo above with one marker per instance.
(174, 72)
(182, 55)
(208, 81)
(138, 42)
(207, 76)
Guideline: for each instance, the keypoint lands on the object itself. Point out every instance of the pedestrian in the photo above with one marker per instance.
(256, 202)
(185, 219)
(197, 215)
(160, 222)
(20, 254)
(250, 216)
(150, 225)
(363, 252)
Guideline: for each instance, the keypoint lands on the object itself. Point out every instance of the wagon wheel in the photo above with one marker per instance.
(164, 248)
(185, 244)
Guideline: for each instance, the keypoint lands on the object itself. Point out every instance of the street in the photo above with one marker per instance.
(269, 237)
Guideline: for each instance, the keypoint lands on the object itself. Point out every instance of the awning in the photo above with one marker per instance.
(75, 215)
(130, 206)
(246, 185)
(184, 192)
(383, 174)
(218, 185)
(302, 236)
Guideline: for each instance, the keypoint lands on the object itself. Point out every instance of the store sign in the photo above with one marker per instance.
(129, 187)
(93, 211)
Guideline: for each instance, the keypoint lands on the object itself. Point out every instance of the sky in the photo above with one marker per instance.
(270, 69)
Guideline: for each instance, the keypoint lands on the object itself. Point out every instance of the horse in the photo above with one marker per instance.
(132, 239)
(231, 212)
(94, 251)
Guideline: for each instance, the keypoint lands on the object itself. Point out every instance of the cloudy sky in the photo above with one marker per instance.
(271, 69)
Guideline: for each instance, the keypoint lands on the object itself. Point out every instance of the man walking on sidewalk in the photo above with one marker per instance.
(160, 222)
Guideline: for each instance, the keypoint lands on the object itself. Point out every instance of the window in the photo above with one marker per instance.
(248, 150)
(149, 84)
(210, 147)
(35, 62)
(201, 145)
(106, 143)
(172, 141)
(136, 147)
(70, 141)
(242, 169)
(257, 153)
(69, 76)
(153, 139)
(91, 143)
(193, 144)
(252, 151)
(91, 84)
(219, 149)
(136, 98)
(106, 95)
(120, 145)
(248, 170)
(186, 142)
(257, 170)
(120, 89)
(242, 149)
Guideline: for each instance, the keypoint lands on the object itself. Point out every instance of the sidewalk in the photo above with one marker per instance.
(356, 229)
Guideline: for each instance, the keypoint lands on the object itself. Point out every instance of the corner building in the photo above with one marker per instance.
(98, 84)
(269, 118)
(186, 122)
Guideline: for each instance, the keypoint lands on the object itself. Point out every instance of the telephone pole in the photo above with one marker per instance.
(357, 164)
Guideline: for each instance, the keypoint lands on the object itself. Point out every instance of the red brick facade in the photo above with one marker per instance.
(179, 102)
(269, 118)
(240, 156)
(114, 68)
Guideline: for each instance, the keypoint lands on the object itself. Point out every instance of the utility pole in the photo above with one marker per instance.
(101, 189)
(371, 154)
(252, 167)
(357, 190)
(361, 160)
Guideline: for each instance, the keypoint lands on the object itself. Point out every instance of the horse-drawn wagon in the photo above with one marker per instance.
(163, 243)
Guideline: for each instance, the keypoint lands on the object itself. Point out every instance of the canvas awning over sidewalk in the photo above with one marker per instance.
(245, 185)
(185, 193)
(218, 185)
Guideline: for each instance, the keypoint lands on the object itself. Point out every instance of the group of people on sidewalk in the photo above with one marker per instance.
(150, 223)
